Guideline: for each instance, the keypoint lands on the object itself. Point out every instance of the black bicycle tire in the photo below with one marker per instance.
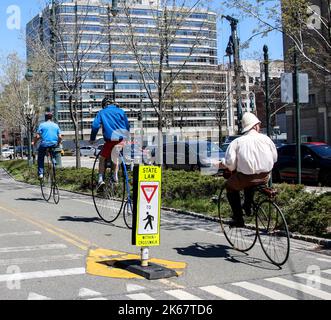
(94, 183)
(127, 223)
(223, 224)
(56, 194)
(47, 172)
(287, 235)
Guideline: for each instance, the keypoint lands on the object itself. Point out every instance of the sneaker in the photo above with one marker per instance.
(237, 223)
(100, 185)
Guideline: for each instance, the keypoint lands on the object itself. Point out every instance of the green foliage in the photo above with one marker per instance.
(309, 213)
(306, 213)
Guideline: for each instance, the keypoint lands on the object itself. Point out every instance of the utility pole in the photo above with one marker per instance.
(53, 46)
(234, 41)
(297, 113)
(267, 88)
(267, 94)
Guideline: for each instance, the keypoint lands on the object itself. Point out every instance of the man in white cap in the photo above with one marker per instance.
(251, 158)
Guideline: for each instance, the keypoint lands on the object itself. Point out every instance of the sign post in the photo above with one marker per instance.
(147, 182)
(147, 208)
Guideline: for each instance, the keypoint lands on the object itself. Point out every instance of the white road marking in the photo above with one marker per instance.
(33, 248)
(327, 271)
(84, 292)
(35, 296)
(101, 298)
(318, 279)
(140, 296)
(223, 294)
(272, 294)
(134, 287)
(42, 274)
(20, 261)
(182, 295)
(18, 234)
(301, 287)
(324, 260)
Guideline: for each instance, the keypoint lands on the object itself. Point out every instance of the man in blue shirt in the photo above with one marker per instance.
(50, 135)
(116, 129)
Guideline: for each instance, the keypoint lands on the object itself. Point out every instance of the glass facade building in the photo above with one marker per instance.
(108, 66)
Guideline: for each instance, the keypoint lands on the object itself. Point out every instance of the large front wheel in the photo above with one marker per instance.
(108, 198)
(273, 232)
(241, 239)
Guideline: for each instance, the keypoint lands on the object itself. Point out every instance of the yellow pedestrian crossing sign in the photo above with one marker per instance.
(147, 206)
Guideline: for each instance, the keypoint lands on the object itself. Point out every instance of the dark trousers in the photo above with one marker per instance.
(238, 182)
(41, 158)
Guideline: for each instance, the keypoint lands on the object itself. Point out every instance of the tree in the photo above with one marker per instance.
(14, 94)
(305, 25)
(70, 56)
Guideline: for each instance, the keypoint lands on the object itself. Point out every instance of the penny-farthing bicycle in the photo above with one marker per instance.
(48, 184)
(266, 223)
(115, 196)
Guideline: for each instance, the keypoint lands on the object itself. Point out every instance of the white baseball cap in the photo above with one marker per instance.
(249, 120)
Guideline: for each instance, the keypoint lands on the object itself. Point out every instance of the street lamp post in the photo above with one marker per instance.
(234, 48)
(28, 112)
(267, 88)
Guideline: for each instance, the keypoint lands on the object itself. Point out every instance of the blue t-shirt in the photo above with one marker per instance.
(49, 133)
(114, 123)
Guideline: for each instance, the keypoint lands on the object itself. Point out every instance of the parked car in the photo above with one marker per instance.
(7, 153)
(315, 162)
(132, 153)
(190, 155)
(229, 139)
(87, 151)
(97, 150)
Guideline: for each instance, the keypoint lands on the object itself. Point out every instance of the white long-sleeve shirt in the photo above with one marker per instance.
(253, 153)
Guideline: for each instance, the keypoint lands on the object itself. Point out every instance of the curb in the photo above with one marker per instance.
(326, 243)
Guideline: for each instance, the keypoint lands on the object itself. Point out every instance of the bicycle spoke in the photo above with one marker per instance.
(273, 232)
(108, 198)
(46, 183)
(241, 239)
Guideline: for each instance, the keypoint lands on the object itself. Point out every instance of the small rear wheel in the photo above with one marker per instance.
(241, 239)
(56, 194)
(128, 214)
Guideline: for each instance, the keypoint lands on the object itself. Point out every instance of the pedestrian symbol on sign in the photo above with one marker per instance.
(149, 220)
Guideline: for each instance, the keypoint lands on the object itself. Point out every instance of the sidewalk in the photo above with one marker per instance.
(318, 190)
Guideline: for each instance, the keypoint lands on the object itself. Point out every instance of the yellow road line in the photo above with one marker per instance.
(99, 261)
(74, 240)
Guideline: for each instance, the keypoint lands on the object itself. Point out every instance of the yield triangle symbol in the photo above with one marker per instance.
(149, 192)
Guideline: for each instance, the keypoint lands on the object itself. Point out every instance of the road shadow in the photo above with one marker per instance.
(253, 262)
(88, 220)
(30, 199)
(207, 250)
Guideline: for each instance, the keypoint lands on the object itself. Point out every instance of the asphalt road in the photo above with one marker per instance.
(50, 251)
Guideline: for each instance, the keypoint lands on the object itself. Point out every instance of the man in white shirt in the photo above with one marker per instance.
(251, 157)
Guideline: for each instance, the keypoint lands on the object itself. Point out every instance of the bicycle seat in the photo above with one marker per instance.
(269, 192)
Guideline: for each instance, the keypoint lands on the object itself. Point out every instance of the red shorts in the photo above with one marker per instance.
(108, 148)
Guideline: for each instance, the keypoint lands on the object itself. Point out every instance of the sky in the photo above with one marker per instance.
(11, 34)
